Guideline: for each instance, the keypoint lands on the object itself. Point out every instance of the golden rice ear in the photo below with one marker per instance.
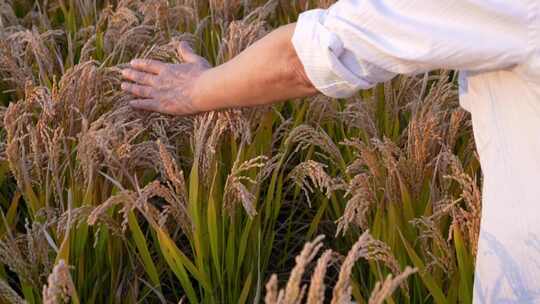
(9, 295)
(366, 247)
(384, 289)
(240, 34)
(177, 196)
(15, 71)
(171, 171)
(169, 52)
(370, 249)
(77, 216)
(305, 135)
(311, 175)
(7, 15)
(272, 294)
(30, 254)
(126, 199)
(126, 35)
(317, 288)
(342, 289)
(208, 131)
(236, 191)
(130, 200)
(358, 205)
(41, 50)
(168, 18)
(466, 217)
(294, 293)
(322, 110)
(60, 287)
(238, 123)
(223, 11)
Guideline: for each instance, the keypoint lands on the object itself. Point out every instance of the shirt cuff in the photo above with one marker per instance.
(319, 50)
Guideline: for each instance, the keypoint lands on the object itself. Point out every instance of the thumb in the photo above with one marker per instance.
(187, 54)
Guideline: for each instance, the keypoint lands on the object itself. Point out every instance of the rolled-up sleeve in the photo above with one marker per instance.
(356, 44)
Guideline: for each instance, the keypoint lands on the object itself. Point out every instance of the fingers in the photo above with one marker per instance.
(148, 65)
(146, 105)
(187, 53)
(139, 90)
(139, 77)
(153, 105)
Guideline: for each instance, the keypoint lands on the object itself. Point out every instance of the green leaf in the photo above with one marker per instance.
(142, 247)
(465, 266)
(314, 225)
(243, 243)
(230, 251)
(175, 260)
(356, 293)
(195, 214)
(429, 281)
(63, 251)
(28, 293)
(245, 289)
(11, 214)
(213, 234)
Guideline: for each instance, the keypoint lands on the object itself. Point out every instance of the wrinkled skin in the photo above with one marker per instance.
(163, 87)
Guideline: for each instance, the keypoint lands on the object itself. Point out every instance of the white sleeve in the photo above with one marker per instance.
(357, 43)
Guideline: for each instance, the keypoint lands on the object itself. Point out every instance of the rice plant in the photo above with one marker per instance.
(100, 203)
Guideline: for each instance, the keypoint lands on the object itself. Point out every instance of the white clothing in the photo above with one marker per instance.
(495, 44)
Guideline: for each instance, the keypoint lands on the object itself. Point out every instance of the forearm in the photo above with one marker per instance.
(266, 72)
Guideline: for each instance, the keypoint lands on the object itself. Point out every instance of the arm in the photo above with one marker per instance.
(356, 44)
(266, 72)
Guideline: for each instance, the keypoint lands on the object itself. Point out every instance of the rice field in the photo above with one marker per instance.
(372, 199)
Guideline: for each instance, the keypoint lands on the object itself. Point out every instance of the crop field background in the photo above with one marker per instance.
(371, 199)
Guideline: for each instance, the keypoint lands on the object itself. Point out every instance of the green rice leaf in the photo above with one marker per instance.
(465, 266)
(429, 281)
(142, 247)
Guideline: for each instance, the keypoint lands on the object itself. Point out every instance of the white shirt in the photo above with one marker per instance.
(495, 44)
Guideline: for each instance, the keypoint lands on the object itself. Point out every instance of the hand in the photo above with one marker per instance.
(163, 87)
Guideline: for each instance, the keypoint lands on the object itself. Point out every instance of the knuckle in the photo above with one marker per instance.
(136, 90)
(141, 91)
(138, 76)
(130, 74)
(148, 92)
